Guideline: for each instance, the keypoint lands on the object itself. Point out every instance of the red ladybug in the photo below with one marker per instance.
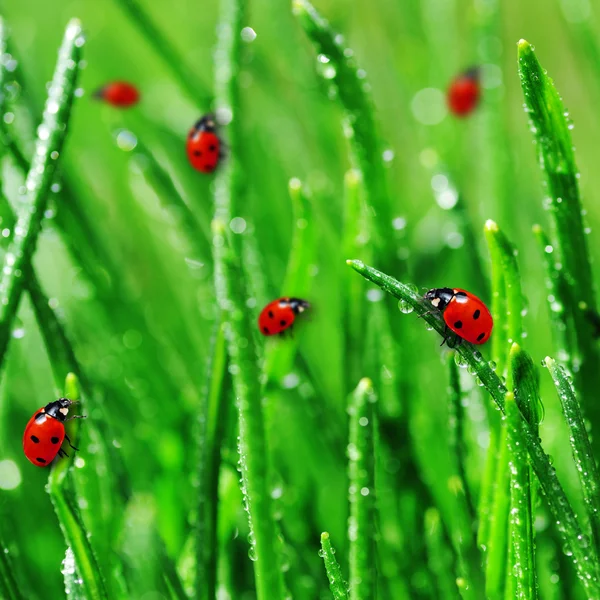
(118, 93)
(203, 145)
(45, 432)
(464, 313)
(279, 315)
(464, 93)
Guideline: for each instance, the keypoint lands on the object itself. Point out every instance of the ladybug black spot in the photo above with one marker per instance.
(271, 314)
(283, 323)
(197, 153)
(41, 460)
(458, 324)
(212, 148)
(34, 439)
(480, 337)
(54, 440)
(266, 329)
(476, 314)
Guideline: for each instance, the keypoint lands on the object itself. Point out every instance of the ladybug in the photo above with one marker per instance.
(279, 315)
(203, 145)
(118, 93)
(45, 432)
(464, 92)
(465, 314)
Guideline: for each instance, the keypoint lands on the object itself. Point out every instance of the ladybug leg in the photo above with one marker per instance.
(446, 336)
(76, 417)
(62, 453)
(69, 441)
(429, 312)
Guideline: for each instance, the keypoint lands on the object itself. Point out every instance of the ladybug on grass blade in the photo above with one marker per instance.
(203, 145)
(279, 315)
(464, 93)
(118, 93)
(45, 432)
(465, 314)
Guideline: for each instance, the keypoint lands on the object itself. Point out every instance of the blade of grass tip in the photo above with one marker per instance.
(339, 588)
(558, 301)
(252, 439)
(297, 281)
(506, 275)
(339, 68)
(439, 555)
(213, 416)
(51, 135)
(63, 497)
(470, 580)
(550, 126)
(9, 588)
(583, 455)
(173, 59)
(521, 570)
(361, 491)
(562, 511)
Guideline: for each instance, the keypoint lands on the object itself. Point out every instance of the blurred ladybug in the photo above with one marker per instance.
(465, 314)
(203, 145)
(45, 432)
(279, 315)
(118, 93)
(464, 93)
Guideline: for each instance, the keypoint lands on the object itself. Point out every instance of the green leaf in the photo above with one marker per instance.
(51, 135)
(338, 586)
(550, 127)
(361, 495)
(583, 455)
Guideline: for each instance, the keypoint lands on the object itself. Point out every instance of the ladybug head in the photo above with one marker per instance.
(298, 305)
(439, 297)
(206, 123)
(472, 73)
(59, 409)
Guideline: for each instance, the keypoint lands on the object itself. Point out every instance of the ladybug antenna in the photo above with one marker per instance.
(473, 72)
(99, 93)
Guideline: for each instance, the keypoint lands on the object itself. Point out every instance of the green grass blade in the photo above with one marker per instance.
(360, 125)
(521, 567)
(212, 422)
(252, 443)
(439, 555)
(339, 588)
(558, 300)
(567, 523)
(64, 499)
(583, 455)
(361, 469)
(9, 588)
(186, 77)
(51, 135)
(557, 159)
(73, 583)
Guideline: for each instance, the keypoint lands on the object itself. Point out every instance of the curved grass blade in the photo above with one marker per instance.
(64, 499)
(185, 76)
(51, 135)
(339, 588)
(361, 469)
(567, 523)
(360, 125)
(587, 469)
(557, 159)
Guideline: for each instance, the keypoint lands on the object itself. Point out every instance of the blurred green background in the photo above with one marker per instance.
(144, 338)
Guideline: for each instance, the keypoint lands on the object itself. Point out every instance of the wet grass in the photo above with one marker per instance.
(212, 459)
